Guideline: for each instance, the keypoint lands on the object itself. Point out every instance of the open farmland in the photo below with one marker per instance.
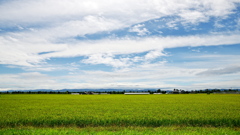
(190, 110)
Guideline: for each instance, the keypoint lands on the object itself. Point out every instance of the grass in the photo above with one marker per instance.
(172, 130)
(153, 113)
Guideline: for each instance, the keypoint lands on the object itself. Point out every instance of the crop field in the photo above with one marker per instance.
(150, 112)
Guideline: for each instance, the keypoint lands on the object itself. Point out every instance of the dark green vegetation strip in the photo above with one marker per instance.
(172, 130)
(199, 110)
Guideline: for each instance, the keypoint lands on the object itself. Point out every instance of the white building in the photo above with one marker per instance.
(157, 93)
(142, 93)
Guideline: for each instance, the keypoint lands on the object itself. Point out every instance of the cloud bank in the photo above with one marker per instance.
(129, 36)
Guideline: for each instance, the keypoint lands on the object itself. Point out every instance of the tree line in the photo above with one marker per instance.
(175, 91)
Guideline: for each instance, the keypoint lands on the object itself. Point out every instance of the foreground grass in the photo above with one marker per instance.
(172, 130)
(119, 114)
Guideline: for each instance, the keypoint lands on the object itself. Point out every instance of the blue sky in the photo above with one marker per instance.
(127, 44)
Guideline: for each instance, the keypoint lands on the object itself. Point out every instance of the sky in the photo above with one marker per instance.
(125, 44)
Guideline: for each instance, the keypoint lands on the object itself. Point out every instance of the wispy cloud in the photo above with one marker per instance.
(107, 59)
(25, 52)
(127, 12)
(139, 29)
(222, 71)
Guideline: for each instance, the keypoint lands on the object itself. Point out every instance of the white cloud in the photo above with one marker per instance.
(219, 84)
(221, 71)
(128, 46)
(139, 30)
(127, 11)
(107, 59)
(156, 75)
(87, 25)
(122, 61)
(47, 29)
(218, 25)
(31, 80)
(194, 17)
(24, 51)
(172, 24)
(154, 54)
(18, 50)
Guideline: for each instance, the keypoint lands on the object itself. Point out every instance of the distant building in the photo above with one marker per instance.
(74, 93)
(89, 92)
(140, 93)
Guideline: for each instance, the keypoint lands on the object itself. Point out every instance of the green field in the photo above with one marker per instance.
(121, 113)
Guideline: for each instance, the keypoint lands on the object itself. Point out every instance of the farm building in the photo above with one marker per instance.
(75, 93)
(142, 93)
(89, 92)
